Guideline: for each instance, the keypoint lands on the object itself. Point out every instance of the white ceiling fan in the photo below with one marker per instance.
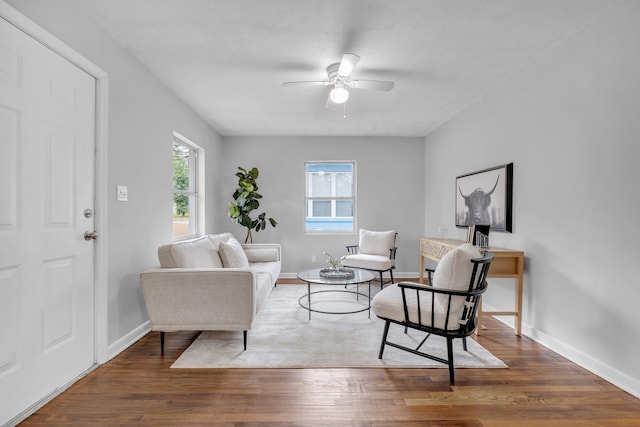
(339, 75)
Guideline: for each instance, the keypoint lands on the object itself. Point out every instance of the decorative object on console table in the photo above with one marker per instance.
(506, 264)
(485, 198)
(478, 235)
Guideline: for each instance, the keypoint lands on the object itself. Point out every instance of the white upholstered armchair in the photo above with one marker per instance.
(375, 251)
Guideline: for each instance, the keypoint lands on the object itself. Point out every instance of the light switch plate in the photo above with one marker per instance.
(122, 193)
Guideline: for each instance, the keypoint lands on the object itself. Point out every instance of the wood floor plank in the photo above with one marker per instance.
(540, 388)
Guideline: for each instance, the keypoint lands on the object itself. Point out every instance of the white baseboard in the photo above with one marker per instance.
(594, 366)
(128, 340)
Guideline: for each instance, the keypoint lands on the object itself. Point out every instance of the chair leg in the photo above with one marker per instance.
(464, 343)
(391, 274)
(161, 342)
(381, 281)
(450, 358)
(384, 338)
(244, 336)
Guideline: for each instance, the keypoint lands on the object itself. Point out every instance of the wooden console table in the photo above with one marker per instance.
(507, 263)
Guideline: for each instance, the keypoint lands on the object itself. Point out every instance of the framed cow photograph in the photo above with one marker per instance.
(485, 198)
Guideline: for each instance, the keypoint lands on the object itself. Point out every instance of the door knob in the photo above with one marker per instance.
(90, 235)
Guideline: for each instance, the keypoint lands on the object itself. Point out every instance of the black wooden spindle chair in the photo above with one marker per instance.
(446, 307)
(375, 251)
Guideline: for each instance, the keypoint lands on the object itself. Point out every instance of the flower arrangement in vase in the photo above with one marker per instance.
(334, 262)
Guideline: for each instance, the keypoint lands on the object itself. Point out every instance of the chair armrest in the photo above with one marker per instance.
(430, 272)
(430, 288)
(416, 286)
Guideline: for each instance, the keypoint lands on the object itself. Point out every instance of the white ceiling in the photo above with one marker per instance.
(228, 58)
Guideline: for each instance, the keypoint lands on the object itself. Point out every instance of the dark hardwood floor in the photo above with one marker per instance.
(540, 388)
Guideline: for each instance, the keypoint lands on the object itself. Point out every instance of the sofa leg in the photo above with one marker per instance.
(244, 336)
(161, 342)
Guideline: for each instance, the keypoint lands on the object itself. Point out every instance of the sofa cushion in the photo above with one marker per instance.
(264, 285)
(270, 268)
(232, 254)
(376, 242)
(454, 272)
(198, 253)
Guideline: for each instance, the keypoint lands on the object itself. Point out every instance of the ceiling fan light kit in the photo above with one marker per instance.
(339, 76)
(339, 94)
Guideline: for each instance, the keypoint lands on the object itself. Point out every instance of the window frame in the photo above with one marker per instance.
(195, 193)
(308, 200)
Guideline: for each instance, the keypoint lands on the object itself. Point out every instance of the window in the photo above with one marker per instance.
(330, 200)
(187, 185)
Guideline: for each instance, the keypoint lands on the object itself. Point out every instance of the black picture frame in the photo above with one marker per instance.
(485, 197)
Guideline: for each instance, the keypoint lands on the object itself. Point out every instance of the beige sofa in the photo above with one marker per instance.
(210, 283)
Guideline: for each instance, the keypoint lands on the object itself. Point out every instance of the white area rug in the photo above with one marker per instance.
(284, 337)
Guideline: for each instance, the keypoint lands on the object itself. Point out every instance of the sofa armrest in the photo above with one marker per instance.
(262, 252)
(199, 298)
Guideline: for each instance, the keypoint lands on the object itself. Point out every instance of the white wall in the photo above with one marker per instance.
(142, 117)
(569, 123)
(390, 192)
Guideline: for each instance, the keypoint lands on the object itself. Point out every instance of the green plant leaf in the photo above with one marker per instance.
(232, 208)
(245, 221)
(245, 201)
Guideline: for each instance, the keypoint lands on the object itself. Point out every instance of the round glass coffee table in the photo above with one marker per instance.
(314, 277)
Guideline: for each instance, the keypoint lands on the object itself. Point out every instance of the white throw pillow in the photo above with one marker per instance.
(376, 242)
(198, 253)
(232, 254)
(454, 272)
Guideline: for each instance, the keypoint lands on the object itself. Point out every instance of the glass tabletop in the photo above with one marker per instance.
(313, 276)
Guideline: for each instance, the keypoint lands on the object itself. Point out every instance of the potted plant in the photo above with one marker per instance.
(245, 200)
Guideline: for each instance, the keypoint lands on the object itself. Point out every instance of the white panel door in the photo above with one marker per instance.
(47, 113)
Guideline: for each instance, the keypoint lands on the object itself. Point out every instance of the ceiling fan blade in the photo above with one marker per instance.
(317, 83)
(372, 84)
(347, 64)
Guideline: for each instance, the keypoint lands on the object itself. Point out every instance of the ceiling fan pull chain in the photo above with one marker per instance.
(344, 110)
